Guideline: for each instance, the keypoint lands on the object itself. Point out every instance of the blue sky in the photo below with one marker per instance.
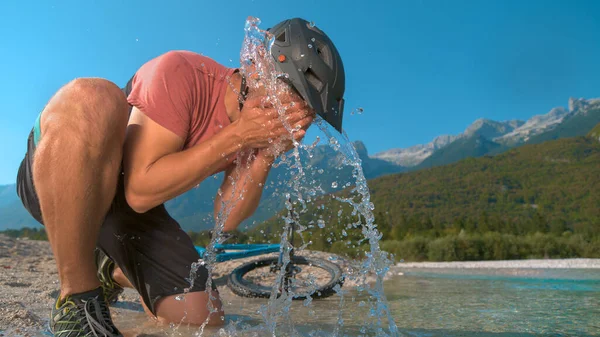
(419, 68)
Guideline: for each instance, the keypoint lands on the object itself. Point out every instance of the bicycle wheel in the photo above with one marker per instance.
(314, 278)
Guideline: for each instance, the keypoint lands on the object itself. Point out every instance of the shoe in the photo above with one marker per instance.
(83, 315)
(106, 266)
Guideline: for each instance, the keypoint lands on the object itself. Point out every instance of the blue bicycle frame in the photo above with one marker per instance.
(233, 251)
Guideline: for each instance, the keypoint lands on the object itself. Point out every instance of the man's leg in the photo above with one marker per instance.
(75, 171)
(154, 256)
(192, 309)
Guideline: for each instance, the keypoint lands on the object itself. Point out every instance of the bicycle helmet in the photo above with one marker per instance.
(313, 65)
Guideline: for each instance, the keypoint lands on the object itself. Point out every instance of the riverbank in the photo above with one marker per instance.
(29, 286)
(509, 264)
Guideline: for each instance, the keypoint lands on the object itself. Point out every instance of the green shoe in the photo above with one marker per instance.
(83, 315)
(106, 266)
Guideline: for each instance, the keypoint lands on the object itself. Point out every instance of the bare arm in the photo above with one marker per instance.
(241, 200)
(156, 170)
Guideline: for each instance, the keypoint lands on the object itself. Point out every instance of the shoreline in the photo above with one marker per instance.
(576, 263)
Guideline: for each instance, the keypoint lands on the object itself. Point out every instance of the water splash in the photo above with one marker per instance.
(300, 190)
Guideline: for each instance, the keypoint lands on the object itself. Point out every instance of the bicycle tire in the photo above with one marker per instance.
(244, 288)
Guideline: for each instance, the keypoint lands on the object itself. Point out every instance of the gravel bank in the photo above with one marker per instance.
(29, 286)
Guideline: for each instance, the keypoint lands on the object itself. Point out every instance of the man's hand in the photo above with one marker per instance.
(261, 126)
(299, 117)
(253, 174)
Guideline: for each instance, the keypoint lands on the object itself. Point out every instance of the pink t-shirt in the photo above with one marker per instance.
(184, 92)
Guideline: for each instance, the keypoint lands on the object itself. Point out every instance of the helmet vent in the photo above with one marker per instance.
(312, 78)
(281, 37)
(324, 53)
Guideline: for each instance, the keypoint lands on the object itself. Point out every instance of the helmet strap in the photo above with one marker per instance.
(243, 92)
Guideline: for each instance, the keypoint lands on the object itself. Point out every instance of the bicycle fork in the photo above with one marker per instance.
(290, 269)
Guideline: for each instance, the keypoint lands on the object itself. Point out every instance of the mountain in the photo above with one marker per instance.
(475, 145)
(414, 155)
(490, 129)
(194, 209)
(12, 213)
(548, 187)
(595, 132)
(581, 119)
(535, 125)
(8, 194)
(488, 137)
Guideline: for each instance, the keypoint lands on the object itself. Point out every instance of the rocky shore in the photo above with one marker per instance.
(29, 286)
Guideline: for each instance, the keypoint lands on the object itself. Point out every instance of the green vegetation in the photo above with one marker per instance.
(493, 246)
(26, 232)
(595, 132)
(576, 125)
(474, 146)
(534, 201)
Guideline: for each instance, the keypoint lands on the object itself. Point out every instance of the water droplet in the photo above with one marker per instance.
(301, 55)
(309, 45)
(334, 184)
(311, 24)
(313, 39)
(320, 171)
(179, 298)
(321, 223)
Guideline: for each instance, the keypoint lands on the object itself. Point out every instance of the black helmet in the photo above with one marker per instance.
(313, 65)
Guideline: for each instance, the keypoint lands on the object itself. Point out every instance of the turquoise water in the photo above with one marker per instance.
(439, 302)
(504, 302)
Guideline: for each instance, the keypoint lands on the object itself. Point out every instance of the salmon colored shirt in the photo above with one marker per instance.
(185, 93)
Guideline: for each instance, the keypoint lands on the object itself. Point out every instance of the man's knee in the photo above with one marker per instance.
(194, 308)
(94, 108)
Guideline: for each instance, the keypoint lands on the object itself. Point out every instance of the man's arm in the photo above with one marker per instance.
(156, 170)
(242, 199)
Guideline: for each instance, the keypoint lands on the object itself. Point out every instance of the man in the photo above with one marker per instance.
(102, 161)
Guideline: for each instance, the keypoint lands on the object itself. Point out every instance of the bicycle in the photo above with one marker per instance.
(245, 280)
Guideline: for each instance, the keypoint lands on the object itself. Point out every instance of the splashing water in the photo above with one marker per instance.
(301, 190)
